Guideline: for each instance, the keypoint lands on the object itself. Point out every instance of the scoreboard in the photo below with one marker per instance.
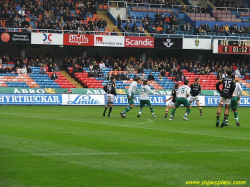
(231, 46)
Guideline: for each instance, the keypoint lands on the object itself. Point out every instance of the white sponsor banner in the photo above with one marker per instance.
(81, 99)
(109, 41)
(192, 43)
(215, 46)
(47, 38)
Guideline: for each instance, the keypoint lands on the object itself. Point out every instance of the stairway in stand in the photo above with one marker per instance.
(110, 24)
(67, 76)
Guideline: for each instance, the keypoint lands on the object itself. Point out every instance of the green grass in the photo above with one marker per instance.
(50, 146)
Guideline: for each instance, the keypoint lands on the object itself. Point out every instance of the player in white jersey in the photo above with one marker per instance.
(131, 96)
(144, 99)
(235, 102)
(182, 95)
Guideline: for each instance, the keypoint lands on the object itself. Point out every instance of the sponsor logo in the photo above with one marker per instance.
(197, 42)
(168, 43)
(84, 100)
(139, 41)
(5, 37)
(78, 39)
(99, 40)
(47, 38)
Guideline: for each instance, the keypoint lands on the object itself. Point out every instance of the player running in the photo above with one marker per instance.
(131, 96)
(109, 88)
(182, 95)
(235, 102)
(225, 96)
(144, 99)
(195, 91)
(173, 97)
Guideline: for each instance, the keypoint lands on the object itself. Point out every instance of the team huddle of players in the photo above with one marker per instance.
(181, 95)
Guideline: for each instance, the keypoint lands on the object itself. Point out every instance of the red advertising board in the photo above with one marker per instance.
(78, 39)
(141, 42)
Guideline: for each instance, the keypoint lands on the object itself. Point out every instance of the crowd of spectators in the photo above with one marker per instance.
(22, 65)
(172, 66)
(52, 15)
(153, 3)
(228, 3)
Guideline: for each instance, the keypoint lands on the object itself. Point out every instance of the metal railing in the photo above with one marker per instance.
(125, 33)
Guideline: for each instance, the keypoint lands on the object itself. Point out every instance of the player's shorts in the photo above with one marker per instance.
(110, 98)
(131, 101)
(171, 104)
(193, 98)
(224, 101)
(180, 101)
(145, 102)
(234, 103)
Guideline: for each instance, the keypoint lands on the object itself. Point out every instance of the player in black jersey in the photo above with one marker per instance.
(109, 88)
(225, 96)
(195, 91)
(173, 97)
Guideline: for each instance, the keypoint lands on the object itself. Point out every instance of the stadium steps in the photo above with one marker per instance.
(73, 81)
(110, 25)
(147, 34)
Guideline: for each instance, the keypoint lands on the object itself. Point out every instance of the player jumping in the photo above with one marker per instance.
(195, 91)
(225, 96)
(109, 88)
(182, 95)
(144, 99)
(173, 97)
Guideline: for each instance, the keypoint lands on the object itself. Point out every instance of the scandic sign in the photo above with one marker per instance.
(78, 39)
(142, 42)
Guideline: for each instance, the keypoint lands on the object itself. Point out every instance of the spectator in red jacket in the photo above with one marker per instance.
(246, 76)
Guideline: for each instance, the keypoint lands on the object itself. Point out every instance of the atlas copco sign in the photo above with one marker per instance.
(142, 42)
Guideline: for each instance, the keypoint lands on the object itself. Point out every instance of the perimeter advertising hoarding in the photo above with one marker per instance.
(140, 42)
(76, 99)
(78, 39)
(109, 41)
(168, 43)
(15, 37)
(30, 99)
(214, 101)
(47, 38)
(192, 43)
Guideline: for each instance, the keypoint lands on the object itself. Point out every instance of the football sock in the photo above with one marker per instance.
(166, 113)
(200, 109)
(218, 116)
(225, 117)
(127, 109)
(110, 110)
(152, 111)
(140, 111)
(188, 111)
(173, 112)
(105, 109)
(236, 115)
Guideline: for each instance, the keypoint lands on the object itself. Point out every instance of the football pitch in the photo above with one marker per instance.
(73, 146)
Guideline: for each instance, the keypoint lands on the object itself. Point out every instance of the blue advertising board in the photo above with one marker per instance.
(156, 100)
(30, 99)
(214, 101)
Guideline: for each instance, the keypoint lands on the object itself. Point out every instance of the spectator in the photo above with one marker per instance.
(29, 71)
(159, 77)
(51, 69)
(237, 72)
(56, 68)
(102, 65)
(119, 21)
(151, 77)
(207, 28)
(216, 28)
(91, 74)
(95, 73)
(54, 75)
(178, 78)
(142, 77)
(43, 69)
(183, 78)
(100, 74)
(246, 76)
(127, 28)
(224, 75)
(163, 73)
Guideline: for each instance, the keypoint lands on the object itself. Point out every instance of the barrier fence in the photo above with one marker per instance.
(97, 100)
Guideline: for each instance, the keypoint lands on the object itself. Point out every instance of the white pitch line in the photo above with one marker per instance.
(130, 126)
(122, 153)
